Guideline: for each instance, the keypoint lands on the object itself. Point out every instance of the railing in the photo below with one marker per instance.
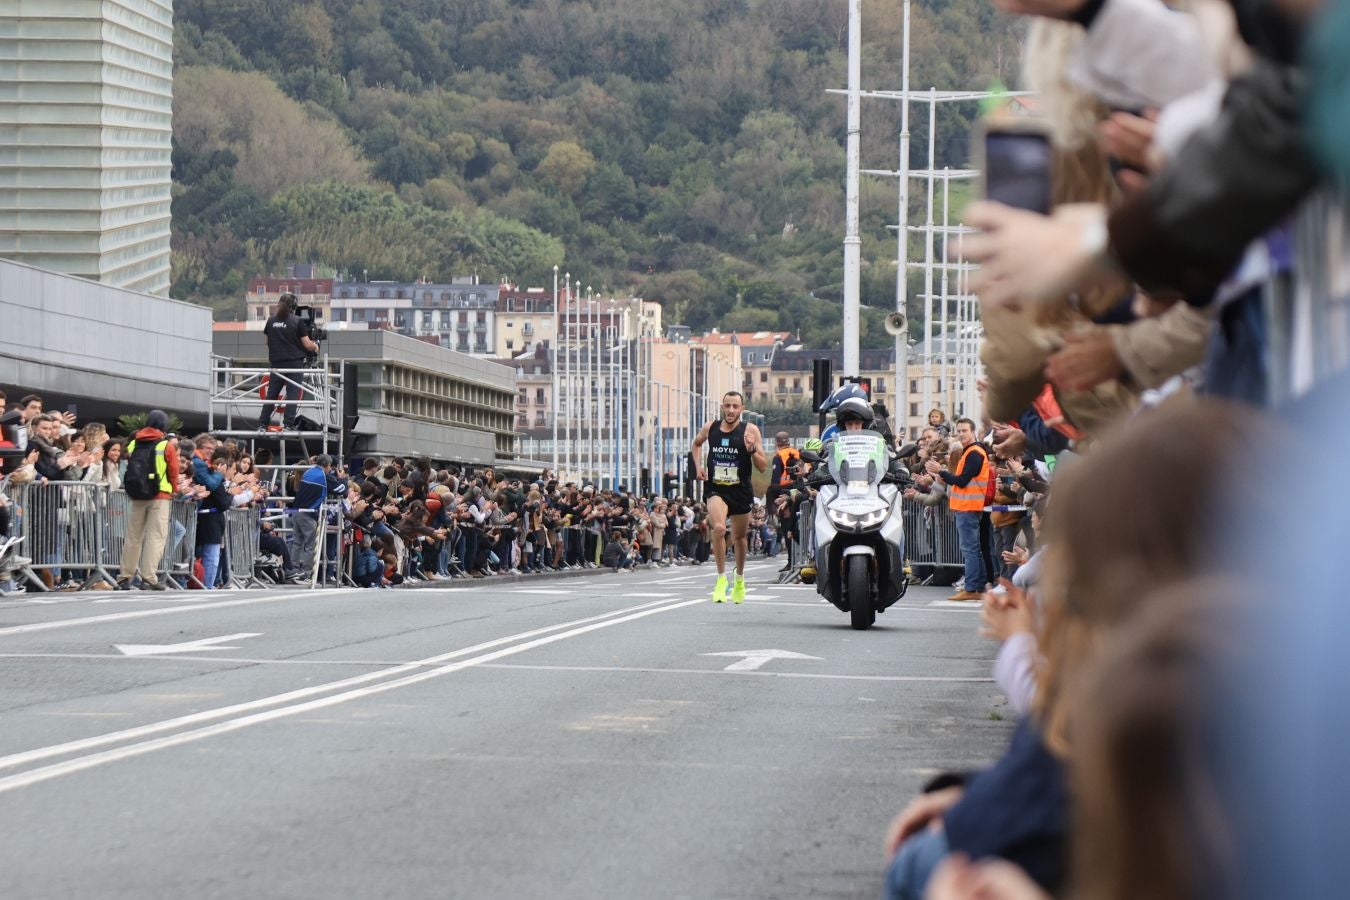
(1309, 312)
(241, 546)
(75, 534)
(71, 528)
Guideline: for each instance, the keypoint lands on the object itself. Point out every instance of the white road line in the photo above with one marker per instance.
(35, 776)
(955, 604)
(759, 672)
(163, 611)
(549, 591)
(648, 594)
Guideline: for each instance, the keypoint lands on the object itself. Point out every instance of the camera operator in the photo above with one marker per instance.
(289, 345)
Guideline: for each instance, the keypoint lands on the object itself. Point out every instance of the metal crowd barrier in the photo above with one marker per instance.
(59, 524)
(241, 545)
(930, 536)
(801, 549)
(180, 548)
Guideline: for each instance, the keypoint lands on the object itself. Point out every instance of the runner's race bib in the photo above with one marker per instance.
(726, 474)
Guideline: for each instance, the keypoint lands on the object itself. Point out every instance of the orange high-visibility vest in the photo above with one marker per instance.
(787, 454)
(971, 497)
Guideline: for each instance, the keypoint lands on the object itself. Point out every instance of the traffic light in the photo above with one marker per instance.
(820, 382)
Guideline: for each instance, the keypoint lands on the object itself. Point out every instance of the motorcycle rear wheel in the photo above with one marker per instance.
(858, 587)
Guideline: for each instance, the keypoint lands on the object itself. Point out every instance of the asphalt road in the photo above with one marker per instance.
(571, 738)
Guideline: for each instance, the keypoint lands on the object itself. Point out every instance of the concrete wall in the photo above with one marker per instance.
(117, 349)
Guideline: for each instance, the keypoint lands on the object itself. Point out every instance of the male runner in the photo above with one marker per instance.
(733, 445)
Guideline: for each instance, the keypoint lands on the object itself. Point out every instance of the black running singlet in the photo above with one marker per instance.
(728, 459)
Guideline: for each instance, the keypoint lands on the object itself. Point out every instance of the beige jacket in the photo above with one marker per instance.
(1014, 352)
(1154, 350)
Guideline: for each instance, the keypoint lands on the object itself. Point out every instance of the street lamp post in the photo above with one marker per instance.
(554, 369)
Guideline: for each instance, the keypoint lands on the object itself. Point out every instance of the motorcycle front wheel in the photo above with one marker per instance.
(858, 584)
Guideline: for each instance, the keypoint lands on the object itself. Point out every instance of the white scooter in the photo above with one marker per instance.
(860, 536)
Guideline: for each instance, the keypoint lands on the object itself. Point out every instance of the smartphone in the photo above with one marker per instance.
(1014, 157)
(70, 408)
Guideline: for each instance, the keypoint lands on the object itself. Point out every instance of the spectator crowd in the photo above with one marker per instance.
(406, 520)
(1172, 698)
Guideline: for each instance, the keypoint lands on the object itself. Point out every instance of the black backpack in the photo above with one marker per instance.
(141, 481)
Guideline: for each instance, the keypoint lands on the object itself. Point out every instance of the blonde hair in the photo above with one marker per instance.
(1071, 112)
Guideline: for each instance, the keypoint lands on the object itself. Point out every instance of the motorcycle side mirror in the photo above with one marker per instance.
(907, 450)
(898, 469)
(811, 456)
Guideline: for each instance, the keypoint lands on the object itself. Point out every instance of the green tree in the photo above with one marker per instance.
(566, 166)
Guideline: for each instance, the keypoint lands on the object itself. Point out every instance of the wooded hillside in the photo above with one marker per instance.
(687, 151)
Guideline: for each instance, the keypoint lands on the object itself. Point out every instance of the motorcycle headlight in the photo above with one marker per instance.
(857, 522)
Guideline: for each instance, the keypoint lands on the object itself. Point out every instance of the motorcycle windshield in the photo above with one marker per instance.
(858, 462)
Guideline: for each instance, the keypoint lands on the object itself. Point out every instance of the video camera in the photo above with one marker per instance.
(310, 316)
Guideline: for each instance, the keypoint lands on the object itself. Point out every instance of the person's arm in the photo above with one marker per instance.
(1041, 439)
(974, 463)
(754, 442)
(1231, 182)
(173, 463)
(700, 473)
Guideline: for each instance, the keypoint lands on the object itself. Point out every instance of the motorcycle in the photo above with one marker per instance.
(859, 532)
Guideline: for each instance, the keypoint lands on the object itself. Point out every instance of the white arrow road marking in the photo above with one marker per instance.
(186, 647)
(756, 658)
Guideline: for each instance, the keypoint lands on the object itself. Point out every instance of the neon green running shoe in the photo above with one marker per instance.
(738, 590)
(720, 590)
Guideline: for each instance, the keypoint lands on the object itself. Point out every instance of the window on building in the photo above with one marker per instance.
(510, 345)
(913, 410)
(796, 384)
(358, 315)
(339, 315)
(880, 385)
(782, 384)
(913, 386)
(510, 324)
(262, 312)
(384, 295)
(763, 377)
(445, 319)
(782, 404)
(538, 395)
(426, 319)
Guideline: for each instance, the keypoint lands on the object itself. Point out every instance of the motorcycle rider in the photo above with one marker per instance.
(733, 445)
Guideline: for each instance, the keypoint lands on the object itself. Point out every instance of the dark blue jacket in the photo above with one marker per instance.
(1017, 810)
(314, 486)
(203, 474)
(1042, 440)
